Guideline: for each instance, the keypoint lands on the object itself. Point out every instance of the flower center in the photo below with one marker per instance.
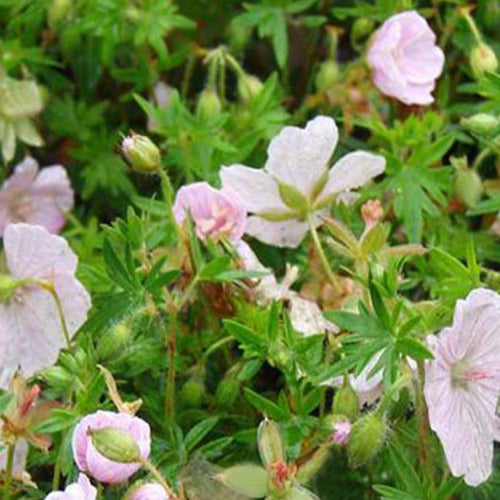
(462, 374)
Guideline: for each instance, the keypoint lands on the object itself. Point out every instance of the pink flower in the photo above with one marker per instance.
(37, 197)
(90, 460)
(405, 59)
(31, 333)
(295, 184)
(215, 212)
(149, 491)
(341, 432)
(462, 385)
(81, 490)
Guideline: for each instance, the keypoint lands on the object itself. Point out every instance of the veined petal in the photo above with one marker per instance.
(32, 252)
(256, 190)
(288, 233)
(352, 171)
(299, 157)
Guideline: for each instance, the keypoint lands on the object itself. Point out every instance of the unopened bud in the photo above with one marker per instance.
(57, 12)
(328, 75)
(249, 86)
(468, 186)
(366, 440)
(346, 401)
(371, 212)
(360, 31)
(116, 445)
(481, 123)
(57, 377)
(193, 393)
(141, 153)
(7, 287)
(483, 60)
(270, 444)
(113, 341)
(238, 37)
(209, 104)
(341, 430)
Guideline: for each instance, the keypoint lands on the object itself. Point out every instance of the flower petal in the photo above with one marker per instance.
(288, 233)
(32, 252)
(299, 157)
(257, 191)
(352, 171)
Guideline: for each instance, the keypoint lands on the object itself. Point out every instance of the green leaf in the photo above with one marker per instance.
(199, 431)
(390, 493)
(405, 470)
(5, 399)
(215, 267)
(247, 337)
(411, 347)
(265, 406)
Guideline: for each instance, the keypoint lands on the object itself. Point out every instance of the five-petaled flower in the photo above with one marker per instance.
(36, 197)
(38, 292)
(295, 188)
(462, 385)
(216, 213)
(405, 59)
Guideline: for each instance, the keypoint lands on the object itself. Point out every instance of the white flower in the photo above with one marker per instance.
(295, 184)
(462, 386)
(31, 334)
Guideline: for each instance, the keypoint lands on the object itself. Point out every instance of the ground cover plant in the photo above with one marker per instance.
(249, 249)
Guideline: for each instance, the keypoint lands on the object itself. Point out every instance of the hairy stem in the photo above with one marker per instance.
(170, 380)
(157, 475)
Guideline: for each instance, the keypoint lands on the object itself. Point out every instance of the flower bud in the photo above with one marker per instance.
(238, 37)
(147, 491)
(483, 60)
(115, 445)
(58, 378)
(246, 479)
(366, 439)
(113, 341)
(7, 287)
(328, 75)
(341, 430)
(209, 104)
(249, 86)
(141, 153)
(193, 393)
(227, 392)
(481, 123)
(57, 12)
(270, 444)
(468, 186)
(360, 31)
(346, 401)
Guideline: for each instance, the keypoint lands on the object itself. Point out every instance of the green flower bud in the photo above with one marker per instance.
(328, 75)
(366, 439)
(346, 401)
(227, 392)
(141, 153)
(483, 60)
(271, 448)
(238, 37)
(481, 123)
(249, 86)
(57, 12)
(209, 104)
(193, 393)
(468, 186)
(360, 31)
(113, 341)
(115, 445)
(58, 378)
(7, 287)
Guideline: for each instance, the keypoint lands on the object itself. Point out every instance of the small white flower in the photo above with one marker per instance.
(295, 184)
(31, 335)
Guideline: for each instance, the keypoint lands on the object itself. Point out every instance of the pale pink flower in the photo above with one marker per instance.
(91, 461)
(405, 59)
(462, 386)
(298, 159)
(31, 334)
(81, 490)
(37, 197)
(149, 491)
(341, 432)
(215, 212)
